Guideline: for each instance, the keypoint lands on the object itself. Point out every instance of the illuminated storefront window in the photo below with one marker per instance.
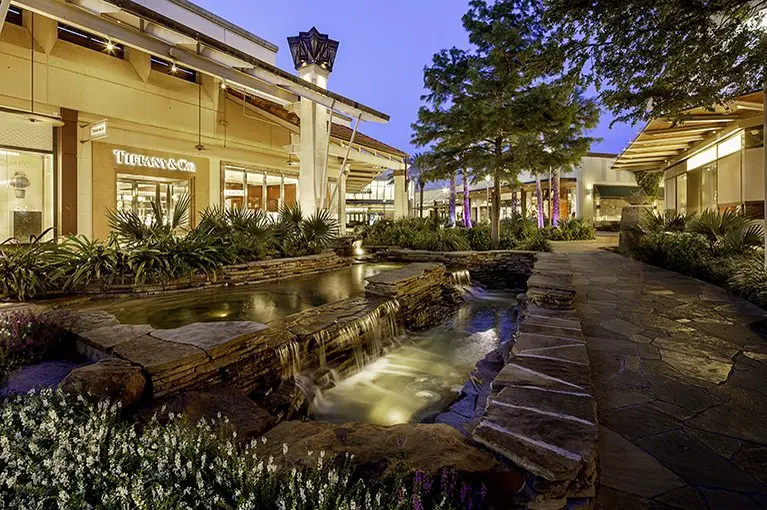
(260, 190)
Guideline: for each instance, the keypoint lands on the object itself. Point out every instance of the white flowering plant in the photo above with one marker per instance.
(59, 451)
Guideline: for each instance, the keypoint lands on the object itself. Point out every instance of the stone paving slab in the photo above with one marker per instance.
(681, 404)
(540, 413)
(211, 337)
(107, 337)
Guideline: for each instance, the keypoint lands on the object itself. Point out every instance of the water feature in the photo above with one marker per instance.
(420, 373)
(261, 302)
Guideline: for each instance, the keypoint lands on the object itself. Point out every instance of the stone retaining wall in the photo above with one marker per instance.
(541, 412)
(497, 269)
(241, 274)
(248, 355)
(423, 291)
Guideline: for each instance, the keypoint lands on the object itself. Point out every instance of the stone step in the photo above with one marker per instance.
(538, 328)
(576, 405)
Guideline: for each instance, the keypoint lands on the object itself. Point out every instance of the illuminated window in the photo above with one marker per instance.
(173, 69)
(730, 146)
(91, 41)
(702, 158)
(15, 16)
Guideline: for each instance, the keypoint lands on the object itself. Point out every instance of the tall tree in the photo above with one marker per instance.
(473, 96)
(657, 58)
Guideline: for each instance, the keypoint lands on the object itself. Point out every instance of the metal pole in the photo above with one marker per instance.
(346, 156)
(4, 6)
(324, 187)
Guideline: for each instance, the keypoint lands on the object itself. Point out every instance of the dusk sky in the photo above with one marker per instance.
(384, 45)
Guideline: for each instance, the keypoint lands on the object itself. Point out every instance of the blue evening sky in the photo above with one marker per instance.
(384, 45)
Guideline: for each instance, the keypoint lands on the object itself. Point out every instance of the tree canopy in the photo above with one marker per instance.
(511, 103)
(657, 58)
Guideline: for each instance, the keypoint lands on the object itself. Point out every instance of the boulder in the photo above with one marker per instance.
(380, 451)
(111, 378)
(246, 418)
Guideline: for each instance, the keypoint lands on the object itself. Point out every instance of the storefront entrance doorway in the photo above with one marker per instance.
(137, 192)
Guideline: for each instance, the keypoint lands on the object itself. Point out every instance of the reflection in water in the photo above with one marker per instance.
(262, 302)
(422, 375)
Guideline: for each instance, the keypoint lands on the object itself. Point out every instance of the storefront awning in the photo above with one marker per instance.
(663, 140)
(612, 191)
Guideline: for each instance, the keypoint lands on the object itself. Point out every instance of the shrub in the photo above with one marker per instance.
(749, 279)
(534, 243)
(570, 229)
(24, 268)
(60, 451)
(479, 237)
(28, 337)
(680, 251)
(727, 232)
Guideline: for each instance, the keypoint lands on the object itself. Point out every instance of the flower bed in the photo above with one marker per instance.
(59, 451)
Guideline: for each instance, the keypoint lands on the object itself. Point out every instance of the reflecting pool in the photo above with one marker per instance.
(260, 302)
(425, 371)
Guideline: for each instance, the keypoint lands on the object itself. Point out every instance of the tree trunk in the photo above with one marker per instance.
(555, 197)
(452, 199)
(496, 212)
(539, 199)
(466, 200)
(421, 184)
(514, 201)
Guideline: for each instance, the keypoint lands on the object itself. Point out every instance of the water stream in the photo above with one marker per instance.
(421, 373)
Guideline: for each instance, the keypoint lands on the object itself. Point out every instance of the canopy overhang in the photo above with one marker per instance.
(664, 142)
(159, 35)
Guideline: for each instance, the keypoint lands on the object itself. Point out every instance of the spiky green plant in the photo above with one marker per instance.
(131, 228)
(729, 232)
(25, 268)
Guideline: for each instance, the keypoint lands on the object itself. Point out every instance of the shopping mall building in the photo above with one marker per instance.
(711, 158)
(111, 104)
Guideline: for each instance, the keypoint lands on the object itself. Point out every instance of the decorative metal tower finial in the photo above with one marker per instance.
(312, 47)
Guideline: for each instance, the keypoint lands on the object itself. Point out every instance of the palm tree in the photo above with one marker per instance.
(423, 173)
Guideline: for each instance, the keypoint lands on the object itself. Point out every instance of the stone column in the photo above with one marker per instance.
(314, 134)
(400, 194)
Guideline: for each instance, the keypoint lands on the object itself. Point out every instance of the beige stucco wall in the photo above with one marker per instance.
(148, 113)
(104, 181)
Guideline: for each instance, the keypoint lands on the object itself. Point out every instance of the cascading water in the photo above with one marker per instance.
(425, 371)
(290, 359)
(460, 278)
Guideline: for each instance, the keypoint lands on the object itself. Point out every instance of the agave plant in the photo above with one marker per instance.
(728, 232)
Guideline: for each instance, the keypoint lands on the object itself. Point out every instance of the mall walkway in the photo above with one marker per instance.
(681, 386)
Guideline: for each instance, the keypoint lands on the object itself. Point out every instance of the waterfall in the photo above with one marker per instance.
(460, 278)
(290, 359)
(365, 335)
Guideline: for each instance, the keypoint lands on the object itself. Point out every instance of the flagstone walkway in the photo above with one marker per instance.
(681, 386)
